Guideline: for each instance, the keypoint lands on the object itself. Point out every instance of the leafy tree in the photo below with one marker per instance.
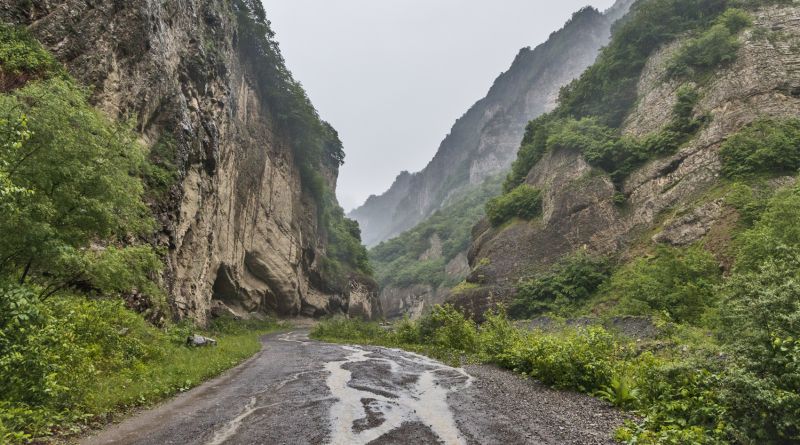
(78, 173)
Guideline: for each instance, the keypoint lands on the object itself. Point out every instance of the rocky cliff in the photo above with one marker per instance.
(484, 141)
(676, 199)
(205, 86)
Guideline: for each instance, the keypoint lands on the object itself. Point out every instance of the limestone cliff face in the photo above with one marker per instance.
(241, 231)
(485, 140)
(669, 200)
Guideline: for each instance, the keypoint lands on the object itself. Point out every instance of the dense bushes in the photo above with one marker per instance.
(523, 202)
(714, 47)
(562, 289)
(678, 284)
(767, 146)
(69, 360)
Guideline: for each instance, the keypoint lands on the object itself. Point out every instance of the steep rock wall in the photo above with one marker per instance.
(239, 227)
(668, 199)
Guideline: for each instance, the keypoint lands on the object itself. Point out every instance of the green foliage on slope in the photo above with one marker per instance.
(766, 146)
(397, 261)
(523, 202)
(713, 48)
(562, 289)
(23, 57)
(602, 146)
(678, 284)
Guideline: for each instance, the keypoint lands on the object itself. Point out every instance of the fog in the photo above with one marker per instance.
(393, 75)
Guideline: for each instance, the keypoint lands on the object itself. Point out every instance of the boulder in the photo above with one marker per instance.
(198, 341)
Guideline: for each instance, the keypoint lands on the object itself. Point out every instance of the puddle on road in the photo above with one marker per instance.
(423, 397)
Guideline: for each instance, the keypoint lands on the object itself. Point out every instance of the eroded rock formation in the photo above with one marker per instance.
(241, 232)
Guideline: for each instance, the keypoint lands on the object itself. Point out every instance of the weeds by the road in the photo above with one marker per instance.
(74, 363)
(680, 383)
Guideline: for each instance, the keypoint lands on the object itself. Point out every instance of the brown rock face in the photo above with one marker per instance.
(668, 197)
(239, 227)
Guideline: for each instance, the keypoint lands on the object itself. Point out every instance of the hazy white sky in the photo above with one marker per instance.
(392, 76)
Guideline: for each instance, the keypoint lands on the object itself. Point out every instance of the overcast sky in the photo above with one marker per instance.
(392, 76)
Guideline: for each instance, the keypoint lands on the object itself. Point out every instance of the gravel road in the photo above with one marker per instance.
(298, 391)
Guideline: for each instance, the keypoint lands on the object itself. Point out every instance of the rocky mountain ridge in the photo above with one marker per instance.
(484, 141)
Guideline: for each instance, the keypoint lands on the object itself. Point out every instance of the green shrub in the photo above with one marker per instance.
(680, 403)
(447, 327)
(677, 283)
(341, 328)
(21, 54)
(581, 360)
(160, 172)
(765, 146)
(761, 323)
(523, 202)
(715, 47)
(568, 284)
(774, 232)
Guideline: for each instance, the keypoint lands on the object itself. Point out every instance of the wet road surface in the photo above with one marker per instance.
(297, 391)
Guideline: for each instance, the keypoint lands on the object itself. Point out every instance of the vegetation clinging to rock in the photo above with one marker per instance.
(767, 146)
(523, 202)
(315, 143)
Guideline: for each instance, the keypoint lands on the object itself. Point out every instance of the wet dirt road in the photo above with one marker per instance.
(297, 391)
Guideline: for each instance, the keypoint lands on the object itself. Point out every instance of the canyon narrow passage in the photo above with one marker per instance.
(299, 391)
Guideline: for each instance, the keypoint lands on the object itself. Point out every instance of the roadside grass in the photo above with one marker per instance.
(675, 383)
(72, 364)
(345, 331)
(180, 368)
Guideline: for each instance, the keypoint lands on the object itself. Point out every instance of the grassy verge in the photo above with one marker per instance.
(682, 383)
(72, 363)
(181, 367)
